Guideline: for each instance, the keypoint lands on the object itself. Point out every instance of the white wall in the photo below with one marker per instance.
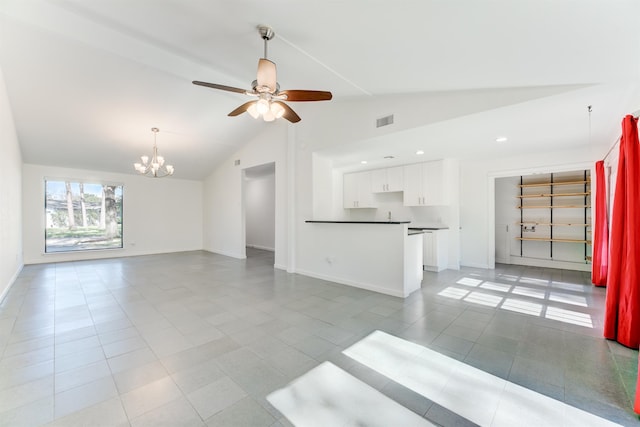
(159, 215)
(10, 195)
(611, 176)
(260, 211)
(324, 196)
(224, 231)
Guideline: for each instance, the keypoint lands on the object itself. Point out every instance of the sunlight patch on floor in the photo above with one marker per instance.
(476, 395)
(453, 293)
(524, 307)
(468, 281)
(534, 281)
(478, 295)
(329, 396)
(529, 292)
(492, 286)
(568, 299)
(569, 316)
(483, 299)
(567, 286)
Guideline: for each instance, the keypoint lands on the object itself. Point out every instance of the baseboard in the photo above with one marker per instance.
(280, 267)
(225, 253)
(565, 265)
(60, 257)
(11, 282)
(348, 282)
(476, 265)
(264, 248)
(453, 267)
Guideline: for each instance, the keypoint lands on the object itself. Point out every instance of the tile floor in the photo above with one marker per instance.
(192, 339)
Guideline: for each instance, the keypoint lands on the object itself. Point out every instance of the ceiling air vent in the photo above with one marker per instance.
(384, 121)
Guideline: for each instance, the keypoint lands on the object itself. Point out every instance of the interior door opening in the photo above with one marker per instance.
(259, 196)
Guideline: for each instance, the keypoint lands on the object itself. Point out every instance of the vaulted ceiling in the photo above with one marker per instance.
(88, 80)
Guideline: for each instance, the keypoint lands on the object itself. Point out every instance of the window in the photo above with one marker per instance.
(82, 216)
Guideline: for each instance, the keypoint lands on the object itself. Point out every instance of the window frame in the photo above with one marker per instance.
(119, 193)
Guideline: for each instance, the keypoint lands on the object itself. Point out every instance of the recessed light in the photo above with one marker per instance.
(501, 139)
(419, 152)
(364, 162)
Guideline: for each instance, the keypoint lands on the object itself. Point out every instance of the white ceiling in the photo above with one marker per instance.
(88, 80)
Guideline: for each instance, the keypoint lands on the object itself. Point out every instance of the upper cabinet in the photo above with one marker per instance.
(387, 180)
(357, 190)
(425, 183)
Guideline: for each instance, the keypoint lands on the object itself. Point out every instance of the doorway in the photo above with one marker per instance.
(505, 221)
(259, 194)
(543, 219)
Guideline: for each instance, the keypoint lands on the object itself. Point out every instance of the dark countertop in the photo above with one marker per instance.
(443, 227)
(358, 222)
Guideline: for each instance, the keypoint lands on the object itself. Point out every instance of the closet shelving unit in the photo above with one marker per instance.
(570, 194)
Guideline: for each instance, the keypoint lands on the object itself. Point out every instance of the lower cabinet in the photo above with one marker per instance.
(436, 250)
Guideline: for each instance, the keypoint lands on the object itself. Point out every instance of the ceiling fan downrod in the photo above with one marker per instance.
(267, 34)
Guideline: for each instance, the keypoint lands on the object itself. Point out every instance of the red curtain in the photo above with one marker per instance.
(600, 260)
(622, 310)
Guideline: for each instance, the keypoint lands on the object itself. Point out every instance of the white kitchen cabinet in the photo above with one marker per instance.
(387, 180)
(425, 184)
(413, 193)
(435, 250)
(357, 190)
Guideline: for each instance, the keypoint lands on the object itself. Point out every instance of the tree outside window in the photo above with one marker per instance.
(82, 216)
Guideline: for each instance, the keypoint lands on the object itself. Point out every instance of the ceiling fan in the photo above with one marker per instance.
(270, 99)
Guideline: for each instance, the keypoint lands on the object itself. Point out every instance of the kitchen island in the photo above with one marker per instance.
(381, 256)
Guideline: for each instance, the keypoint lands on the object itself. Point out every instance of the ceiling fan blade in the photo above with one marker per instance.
(289, 114)
(221, 87)
(267, 74)
(241, 109)
(306, 95)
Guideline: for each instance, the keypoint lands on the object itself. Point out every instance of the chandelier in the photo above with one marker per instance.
(154, 168)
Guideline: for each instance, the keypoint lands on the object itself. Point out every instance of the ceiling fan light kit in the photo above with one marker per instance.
(268, 110)
(270, 99)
